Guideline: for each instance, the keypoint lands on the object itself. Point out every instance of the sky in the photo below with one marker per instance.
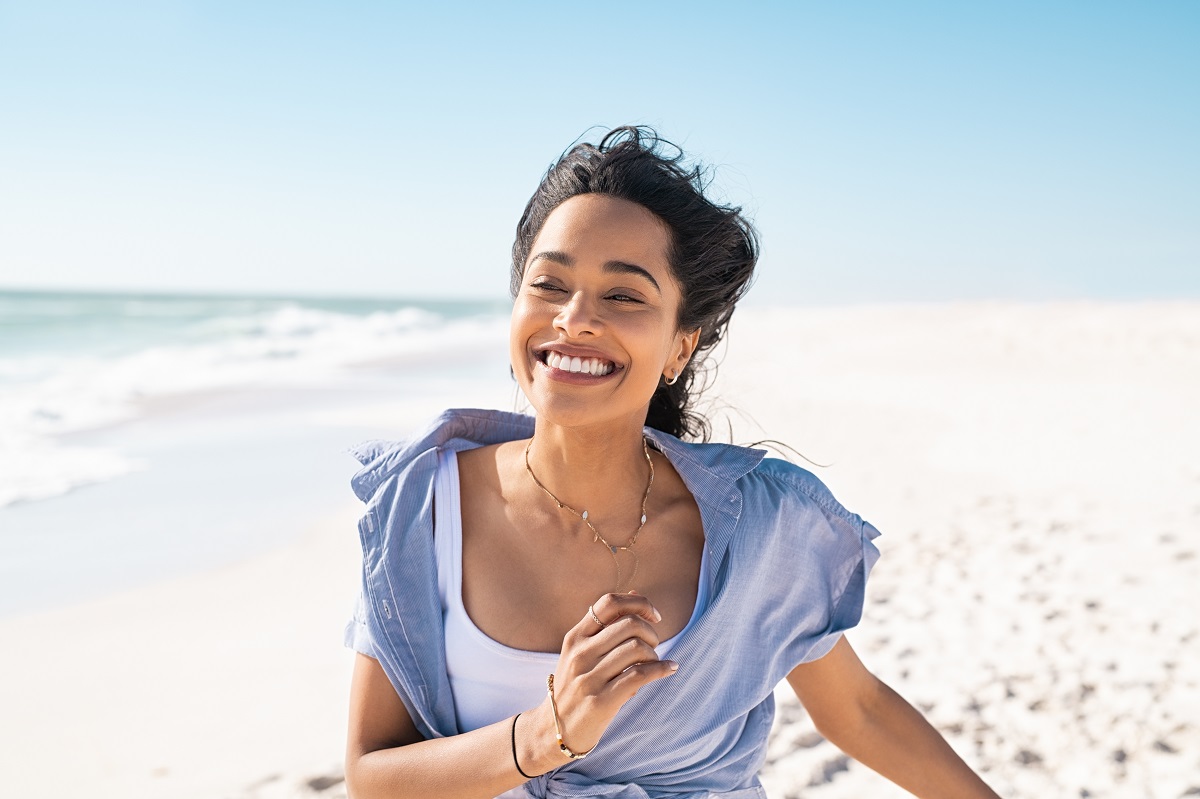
(886, 151)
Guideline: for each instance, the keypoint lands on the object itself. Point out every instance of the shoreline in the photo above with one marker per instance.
(224, 474)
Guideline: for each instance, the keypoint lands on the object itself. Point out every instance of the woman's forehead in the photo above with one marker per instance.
(605, 228)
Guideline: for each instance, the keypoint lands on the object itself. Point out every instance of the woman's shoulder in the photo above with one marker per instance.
(743, 480)
(786, 480)
(797, 515)
(480, 467)
(456, 428)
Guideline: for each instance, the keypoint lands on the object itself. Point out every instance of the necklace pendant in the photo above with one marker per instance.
(612, 549)
(585, 515)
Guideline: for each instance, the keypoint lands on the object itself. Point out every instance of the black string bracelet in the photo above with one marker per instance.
(514, 748)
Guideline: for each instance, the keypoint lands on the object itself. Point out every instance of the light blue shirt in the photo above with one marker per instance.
(787, 568)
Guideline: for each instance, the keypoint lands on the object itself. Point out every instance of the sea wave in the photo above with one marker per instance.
(43, 397)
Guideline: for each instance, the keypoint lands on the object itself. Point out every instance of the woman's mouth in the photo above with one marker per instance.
(597, 367)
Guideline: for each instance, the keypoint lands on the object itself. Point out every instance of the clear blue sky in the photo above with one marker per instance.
(888, 151)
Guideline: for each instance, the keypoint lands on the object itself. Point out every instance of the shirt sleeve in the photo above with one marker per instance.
(810, 562)
(849, 568)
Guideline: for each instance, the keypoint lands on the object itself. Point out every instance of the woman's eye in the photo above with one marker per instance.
(623, 298)
(544, 286)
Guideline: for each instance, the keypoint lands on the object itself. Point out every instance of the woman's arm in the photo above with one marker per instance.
(869, 721)
(600, 669)
(386, 756)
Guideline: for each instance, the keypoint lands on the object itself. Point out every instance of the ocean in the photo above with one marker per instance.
(146, 434)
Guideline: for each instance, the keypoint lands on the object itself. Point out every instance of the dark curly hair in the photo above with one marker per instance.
(713, 247)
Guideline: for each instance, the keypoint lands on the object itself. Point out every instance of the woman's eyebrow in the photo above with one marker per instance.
(559, 257)
(631, 269)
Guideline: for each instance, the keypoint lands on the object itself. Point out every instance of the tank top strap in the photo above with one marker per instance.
(447, 529)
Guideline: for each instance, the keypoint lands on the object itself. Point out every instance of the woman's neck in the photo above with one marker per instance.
(602, 471)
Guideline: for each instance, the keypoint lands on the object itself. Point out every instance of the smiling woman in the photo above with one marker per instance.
(580, 603)
(710, 250)
(598, 291)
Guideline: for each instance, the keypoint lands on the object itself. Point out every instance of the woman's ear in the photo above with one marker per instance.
(687, 347)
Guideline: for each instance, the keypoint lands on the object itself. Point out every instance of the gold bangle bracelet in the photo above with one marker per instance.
(558, 724)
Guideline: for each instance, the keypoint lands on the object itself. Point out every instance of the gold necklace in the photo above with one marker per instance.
(596, 537)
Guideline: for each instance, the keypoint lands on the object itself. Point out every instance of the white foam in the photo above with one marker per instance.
(43, 398)
(36, 469)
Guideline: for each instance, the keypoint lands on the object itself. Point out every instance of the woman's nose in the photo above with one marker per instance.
(577, 317)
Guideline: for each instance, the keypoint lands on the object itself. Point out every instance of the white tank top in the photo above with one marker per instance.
(491, 681)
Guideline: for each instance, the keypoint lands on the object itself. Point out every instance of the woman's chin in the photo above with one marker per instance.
(579, 412)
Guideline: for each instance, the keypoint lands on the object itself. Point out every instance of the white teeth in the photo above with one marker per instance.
(592, 366)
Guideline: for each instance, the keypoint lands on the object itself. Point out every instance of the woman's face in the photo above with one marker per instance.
(594, 323)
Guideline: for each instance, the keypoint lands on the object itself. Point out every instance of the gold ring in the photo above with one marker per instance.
(596, 618)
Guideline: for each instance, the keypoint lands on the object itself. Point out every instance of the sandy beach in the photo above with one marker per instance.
(1032, 468)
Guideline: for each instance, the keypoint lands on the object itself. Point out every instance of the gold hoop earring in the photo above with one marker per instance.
(674, 378)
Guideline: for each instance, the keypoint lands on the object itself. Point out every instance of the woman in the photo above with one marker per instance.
(579, 603)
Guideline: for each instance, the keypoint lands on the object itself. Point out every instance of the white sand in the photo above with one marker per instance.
(1032, 468)
(1034, 472)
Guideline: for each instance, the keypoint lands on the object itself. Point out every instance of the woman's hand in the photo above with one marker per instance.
(599, 670)
(603, 664)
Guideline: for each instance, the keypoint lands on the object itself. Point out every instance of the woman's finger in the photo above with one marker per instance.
(595, 618)
(609, 610)
(623, 629)
(620, 657)
(611, 607)
(583, 649)
(623, 686)
(610, 622)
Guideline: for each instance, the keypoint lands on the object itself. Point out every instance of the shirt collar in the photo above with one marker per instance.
(709, 470)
